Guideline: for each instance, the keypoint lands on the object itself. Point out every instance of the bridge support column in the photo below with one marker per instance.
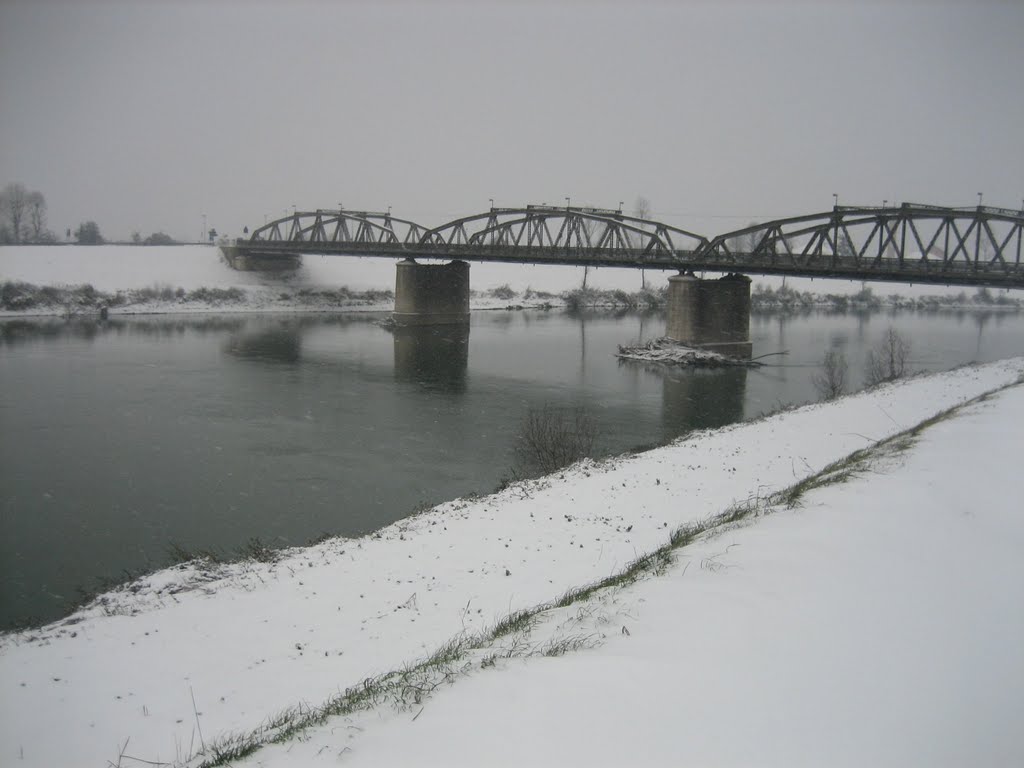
(710, 314)
(431, 294)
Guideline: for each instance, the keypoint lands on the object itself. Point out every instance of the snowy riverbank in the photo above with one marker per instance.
(187, 655)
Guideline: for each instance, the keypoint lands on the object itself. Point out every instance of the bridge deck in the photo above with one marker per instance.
(965, 246)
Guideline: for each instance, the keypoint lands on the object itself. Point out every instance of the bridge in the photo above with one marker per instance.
(909, 243)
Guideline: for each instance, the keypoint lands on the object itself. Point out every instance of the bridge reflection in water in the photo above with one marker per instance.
(433, 357)
(702, 399)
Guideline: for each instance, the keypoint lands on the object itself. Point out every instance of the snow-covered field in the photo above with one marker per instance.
(122, 267)
(876, 624)
(111, 268)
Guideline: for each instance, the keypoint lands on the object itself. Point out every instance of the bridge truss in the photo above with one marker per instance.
(909, 243)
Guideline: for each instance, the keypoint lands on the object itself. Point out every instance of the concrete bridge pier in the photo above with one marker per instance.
(710, 314)
(431, 294)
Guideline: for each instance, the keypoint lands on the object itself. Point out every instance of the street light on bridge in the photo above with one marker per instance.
(835, 200)
(979, 199)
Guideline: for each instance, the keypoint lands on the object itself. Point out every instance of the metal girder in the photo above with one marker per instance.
(340, 227)
(908, 243)
(577, 230)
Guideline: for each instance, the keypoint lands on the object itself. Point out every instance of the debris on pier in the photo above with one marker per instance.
(668, 351)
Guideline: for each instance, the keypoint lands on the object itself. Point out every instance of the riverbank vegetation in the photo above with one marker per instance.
(785, 299)
(75, 299)
(69, 300)
(646, 298)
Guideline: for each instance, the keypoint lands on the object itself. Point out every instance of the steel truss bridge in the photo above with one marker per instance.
(911, 243)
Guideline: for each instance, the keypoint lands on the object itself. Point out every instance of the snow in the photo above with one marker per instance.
(667, 351)
(124, 267)
(773, 608)
(878, 624)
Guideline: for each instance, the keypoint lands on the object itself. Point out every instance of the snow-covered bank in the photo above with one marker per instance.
(22, 300)
(879, 623)
(251, 639)
(126, 267)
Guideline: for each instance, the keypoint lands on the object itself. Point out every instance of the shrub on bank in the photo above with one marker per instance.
(646, 298)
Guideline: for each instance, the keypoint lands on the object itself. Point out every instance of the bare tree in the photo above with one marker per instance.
(590, 227)
(37, 218)
(888, 360)
(642, 210)
(552, 438)
(830, 381)
(14, 201)
(745, 243)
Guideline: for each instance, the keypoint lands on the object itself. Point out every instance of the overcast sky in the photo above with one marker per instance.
(145, 115)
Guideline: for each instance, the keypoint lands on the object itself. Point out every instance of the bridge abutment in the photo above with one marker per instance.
(241, 260)
(710, 314)
(431, 294)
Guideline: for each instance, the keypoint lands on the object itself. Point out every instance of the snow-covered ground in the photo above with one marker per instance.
(124, 267)
(875, 624)
(165, 269)
(112, 268)
(879, 624)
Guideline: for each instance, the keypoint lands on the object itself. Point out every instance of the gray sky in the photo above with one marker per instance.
(145, 115)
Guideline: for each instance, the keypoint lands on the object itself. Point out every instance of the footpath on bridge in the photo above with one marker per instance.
(874, 623)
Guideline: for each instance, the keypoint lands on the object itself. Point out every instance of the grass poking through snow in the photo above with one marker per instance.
(508, 638)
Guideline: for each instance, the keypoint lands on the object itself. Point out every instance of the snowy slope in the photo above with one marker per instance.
(257, 637)
(878, 624)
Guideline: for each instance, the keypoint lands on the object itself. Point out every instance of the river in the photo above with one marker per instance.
(124, 438)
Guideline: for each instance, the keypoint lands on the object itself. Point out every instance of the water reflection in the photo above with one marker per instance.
(290, 425)
(434, 357)
(702, 399)
(279, 343)
(50, 329)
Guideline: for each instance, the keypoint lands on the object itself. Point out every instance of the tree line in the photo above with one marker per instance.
(23, 214)
(23, 222)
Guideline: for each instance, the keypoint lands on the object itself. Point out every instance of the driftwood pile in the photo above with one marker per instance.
(666, 351)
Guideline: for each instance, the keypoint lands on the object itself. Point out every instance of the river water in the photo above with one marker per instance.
(120, 439)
